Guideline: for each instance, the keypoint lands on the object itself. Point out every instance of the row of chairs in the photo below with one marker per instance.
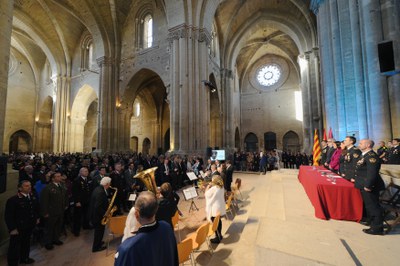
(193, 242)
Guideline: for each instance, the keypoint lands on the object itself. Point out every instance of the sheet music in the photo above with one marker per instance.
(132, 197)
(191, 176)
(202, 174)
(190, 193)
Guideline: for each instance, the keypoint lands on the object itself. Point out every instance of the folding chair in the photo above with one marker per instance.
(185, 249)
(211, 231)
(228, 206)
(391, 205)
(175, 222)
(238, 183)
(200, 236)
(116, 227)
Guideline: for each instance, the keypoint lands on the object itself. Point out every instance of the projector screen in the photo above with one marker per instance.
(217, 155)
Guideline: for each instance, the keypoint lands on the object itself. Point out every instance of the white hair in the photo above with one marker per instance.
(105, 181)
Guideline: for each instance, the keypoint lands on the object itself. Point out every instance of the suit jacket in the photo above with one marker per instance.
(21, 213)
(394, 155)
(329, 154)
(323, 155)
(367, 172)
(229, 177)
(98, 205)
(53, 200)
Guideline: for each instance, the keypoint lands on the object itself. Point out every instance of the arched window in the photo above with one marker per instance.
(87, 52)
(148, 31)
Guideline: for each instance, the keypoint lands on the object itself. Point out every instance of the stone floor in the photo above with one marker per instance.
(275, 225)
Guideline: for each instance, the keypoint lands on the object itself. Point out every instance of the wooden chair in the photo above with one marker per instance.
(228, 206)
(238, 184)
(116, 227)
(185, 249)
(211, 231)
(200, 236)
(175, 222)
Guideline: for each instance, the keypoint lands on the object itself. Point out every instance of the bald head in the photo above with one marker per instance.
(366, 144)
(146, 204)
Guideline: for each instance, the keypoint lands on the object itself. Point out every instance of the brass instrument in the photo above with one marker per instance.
(148, 179)
(111, 209)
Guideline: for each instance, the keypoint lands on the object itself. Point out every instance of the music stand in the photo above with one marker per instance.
(190, 194)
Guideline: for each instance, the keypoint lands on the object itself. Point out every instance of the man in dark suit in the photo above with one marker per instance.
(165, 170)
(324, 150)
(53, 202)
(27, 174)
(370, 183)
(118, 181)
(21, 215)
(350, 159)
(329, 152)
(229, 175)
(81, 191)
(98, 207)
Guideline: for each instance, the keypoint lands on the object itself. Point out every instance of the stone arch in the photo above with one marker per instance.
(44, 121)
(147, 89)
(20, 141)
(146, 146)
(291, 141)
(269, 141)
(79, 116)
(251, 142)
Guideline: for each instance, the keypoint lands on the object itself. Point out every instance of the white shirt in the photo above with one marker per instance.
(215, 202)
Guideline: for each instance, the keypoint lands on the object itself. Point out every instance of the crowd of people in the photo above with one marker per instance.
(71, 192)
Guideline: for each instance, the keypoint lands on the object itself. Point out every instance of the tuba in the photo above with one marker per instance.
(111, 209)
(148, 179)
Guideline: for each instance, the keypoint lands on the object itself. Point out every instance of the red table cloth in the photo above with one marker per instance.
(340, 201)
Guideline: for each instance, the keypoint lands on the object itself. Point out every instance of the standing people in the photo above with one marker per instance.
(215, 204)
(98, 207)
(21, 216)
(154, 243)
(394, 152)
(118, 181)
(81, 191)
(370, 183)
(351, 158)
(229, 176)
(53, 202)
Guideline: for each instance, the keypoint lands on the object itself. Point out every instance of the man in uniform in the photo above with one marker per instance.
(370, 183)
(394, 153)
(351, 158)
(81, 191)
(53, 202)
(21, 216)
(324, 150)
(382, 151)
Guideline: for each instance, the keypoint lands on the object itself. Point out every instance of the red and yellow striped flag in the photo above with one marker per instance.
(316, 149)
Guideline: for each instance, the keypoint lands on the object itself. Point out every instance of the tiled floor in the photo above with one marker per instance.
(275, 225)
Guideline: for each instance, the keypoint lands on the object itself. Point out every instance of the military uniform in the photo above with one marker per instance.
(53, 201)
(21, 213)
(394, 155)
(350, 161)
(367, 176)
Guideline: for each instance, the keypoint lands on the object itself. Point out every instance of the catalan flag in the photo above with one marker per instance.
(324, 135)
(316, 148)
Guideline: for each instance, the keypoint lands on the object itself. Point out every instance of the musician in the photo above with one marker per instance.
(98, 208)
(167, 206)
(21, 216)
(154, 242)
(215, 204)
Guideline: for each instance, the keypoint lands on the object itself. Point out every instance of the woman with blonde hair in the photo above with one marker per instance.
(215, 204)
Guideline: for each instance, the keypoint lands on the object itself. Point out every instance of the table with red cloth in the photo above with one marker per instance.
(340, 201)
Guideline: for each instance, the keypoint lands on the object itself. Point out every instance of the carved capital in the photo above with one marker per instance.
(314, 5)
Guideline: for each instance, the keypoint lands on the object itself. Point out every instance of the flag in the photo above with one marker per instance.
(316, 149)
(330, 134)
(324, 135)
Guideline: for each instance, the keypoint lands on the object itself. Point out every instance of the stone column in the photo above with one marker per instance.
(6, 17)
(377, 92)
(187, 95)
(60, 118)
(107, 136)
(228, 110)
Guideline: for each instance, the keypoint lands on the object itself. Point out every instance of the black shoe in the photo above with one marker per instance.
(371, 231)
(27, 261)
(58, 242)
(49, 246)
(215, 240)
(99, 249)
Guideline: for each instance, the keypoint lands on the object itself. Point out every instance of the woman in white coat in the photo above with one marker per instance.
(215, 204)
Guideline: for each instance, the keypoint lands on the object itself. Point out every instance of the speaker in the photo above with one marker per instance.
(208, 152)
(386, 56)
(3, 174)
